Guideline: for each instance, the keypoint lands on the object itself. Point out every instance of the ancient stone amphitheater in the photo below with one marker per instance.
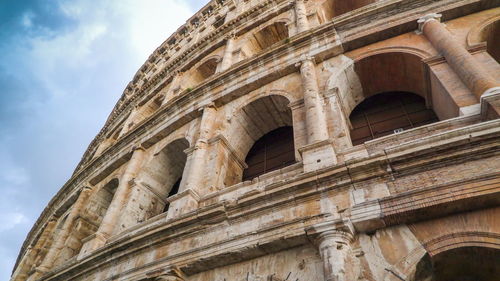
(294, 140)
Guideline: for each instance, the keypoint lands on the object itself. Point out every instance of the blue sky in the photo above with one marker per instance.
(63, 65)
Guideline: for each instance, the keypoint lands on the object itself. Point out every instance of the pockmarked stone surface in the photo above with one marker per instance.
(293, 140)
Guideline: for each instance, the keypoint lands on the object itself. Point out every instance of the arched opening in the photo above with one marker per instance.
(205, 70)
(90, 220)
(266, 38)
(392, 96)
(273, 151)
(163, 175)
(261, 132)
(491, 35)
(333, 8)
(388, 113)
(460, 264)
(100, 202)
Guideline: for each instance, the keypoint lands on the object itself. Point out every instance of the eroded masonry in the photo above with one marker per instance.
(298, 140)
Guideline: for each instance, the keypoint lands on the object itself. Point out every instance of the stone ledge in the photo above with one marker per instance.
(412, 206)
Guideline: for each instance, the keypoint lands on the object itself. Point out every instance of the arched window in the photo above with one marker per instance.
(273, 151)
(163, 174)
(491, 35)
(207, 69)
(333, 8)
(460, 264)
(262, 136)
(266, 38)
(388, 113)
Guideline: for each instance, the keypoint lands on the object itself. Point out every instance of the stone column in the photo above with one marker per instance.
(195, 175)
(35, 254)
(301, 16)
(463, 63)
(319, 152)
(317, 129)
(334, 244)
(227, 59)
(174, 84)
(334, 247)
(65, 231)
(113, 213)
(337, 120)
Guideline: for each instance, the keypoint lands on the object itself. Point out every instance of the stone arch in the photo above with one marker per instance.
(205, 69)
(487, 31)
(384, 70)
(254, 119)
(162, 174)
(265, 37)
(100, 200)
(407, 267)
(354, 84)
(334, 8)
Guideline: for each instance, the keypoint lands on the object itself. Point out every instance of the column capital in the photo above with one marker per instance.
(425, 19)
(305, 59)
(138, 147)
(335, 229)
(210, 105)
(230, 36)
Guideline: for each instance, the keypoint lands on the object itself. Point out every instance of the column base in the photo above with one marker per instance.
(182, 203)
(490, 104)
(37, 273)
(318, 155)
(91, 243)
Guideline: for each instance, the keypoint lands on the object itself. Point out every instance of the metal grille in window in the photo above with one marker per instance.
(388, 113)
(273, 151)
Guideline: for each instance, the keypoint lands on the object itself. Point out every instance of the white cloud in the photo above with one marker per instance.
(73, 76)
(27, 19)
(10, 220)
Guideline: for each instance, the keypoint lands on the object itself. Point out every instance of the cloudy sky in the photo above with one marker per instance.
(63, 65)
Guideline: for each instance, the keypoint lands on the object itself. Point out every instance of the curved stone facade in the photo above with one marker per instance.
(293, 140)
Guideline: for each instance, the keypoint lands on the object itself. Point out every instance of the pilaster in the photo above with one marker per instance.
(333, 240)
(195, 176)
(461, 61)
(319, 151)
(120, 197)
(63, 234)
(301, 16)
(227, 59)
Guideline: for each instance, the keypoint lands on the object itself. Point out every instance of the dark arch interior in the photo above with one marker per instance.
(273, 151)
(461, 264)
(388, 113)
(207, 69)
(491, 35)
(271, 35)
(173, 191)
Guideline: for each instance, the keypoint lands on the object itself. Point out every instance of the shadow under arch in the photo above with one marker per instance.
(205, 69)
(265, 37)
(487, 31)
(163, 172)
(254, 120)
(386, 91)
(413, 265)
